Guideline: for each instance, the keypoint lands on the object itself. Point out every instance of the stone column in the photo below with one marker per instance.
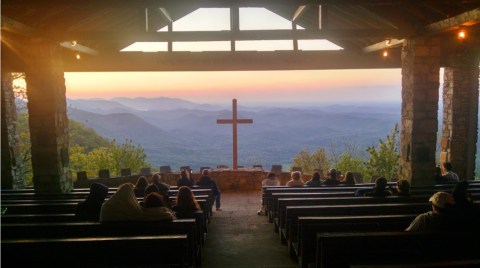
(12, 162)
(460, 111)
(420, 87)
(47, 116)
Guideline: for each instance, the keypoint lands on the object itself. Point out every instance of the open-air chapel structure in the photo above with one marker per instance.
(44, 39)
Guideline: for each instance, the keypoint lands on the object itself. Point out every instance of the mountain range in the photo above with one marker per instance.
(177, 132)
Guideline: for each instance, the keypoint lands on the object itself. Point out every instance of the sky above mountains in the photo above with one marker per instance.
(250, 87)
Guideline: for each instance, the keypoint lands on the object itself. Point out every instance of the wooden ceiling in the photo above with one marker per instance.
(103, 27)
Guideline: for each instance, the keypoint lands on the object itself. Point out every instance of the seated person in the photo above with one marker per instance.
(296, 179)
(122, 206)
(315, 180)
(402, 189)
(155, 209)
(271, 180)
(379, 190)
(162, 187)
(90, 208)
(186, 205)
(140, 186)
(152, 188)
(349, 179)
(441, 218)
(448, 174)
(332, 178)
(185, 179)
(207, 182)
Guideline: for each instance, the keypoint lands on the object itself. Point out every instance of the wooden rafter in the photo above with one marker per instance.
(468, 18)
(199, 3)
(187, 36)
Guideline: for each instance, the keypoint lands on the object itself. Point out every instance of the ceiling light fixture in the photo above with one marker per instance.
(462, 34)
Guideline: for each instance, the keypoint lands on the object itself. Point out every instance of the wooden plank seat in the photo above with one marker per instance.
(268, 190)
(272, 206)
(305, 248)
(282, 203)
(290, 226)
(343, 249)
(188, 227)
(96, 251)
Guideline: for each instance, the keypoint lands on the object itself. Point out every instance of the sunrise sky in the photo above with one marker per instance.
(377, 85)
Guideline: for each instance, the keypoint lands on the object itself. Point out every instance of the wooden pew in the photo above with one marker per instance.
(123, 229)
(395, 248)
(272, 206)
(305, 247)
(96, 251)
(282, 203)
(290, 226)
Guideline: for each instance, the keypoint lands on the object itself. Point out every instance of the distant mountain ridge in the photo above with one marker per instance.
(177, 132)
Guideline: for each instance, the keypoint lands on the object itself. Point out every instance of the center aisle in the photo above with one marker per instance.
(237, 237)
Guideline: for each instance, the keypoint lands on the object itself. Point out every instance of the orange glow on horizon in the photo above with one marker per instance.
(216, 86)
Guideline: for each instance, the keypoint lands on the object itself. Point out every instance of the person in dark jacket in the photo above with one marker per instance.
(90, 208)
(207, 182)
(184, 179)
(379, 190)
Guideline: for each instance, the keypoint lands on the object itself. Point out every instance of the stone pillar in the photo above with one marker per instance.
(12, 162)
(47, 116)
(420, 87)
(460, 111)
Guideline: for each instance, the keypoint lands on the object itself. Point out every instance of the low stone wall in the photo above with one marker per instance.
(227, 180)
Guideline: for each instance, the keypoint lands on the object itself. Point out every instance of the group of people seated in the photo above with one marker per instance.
(205, 181)
(123, 205)
(316, 180)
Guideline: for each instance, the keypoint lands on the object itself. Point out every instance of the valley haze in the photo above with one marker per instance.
(178, 132)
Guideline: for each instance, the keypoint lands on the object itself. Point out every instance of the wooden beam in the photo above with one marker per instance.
(198, 3)
(468, 18)
(186, 36)
(383, 45)
(299, 12)
(79, 48)
(229, 61)
(11, 26)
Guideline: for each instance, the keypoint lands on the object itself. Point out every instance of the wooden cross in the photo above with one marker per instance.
(234, 121)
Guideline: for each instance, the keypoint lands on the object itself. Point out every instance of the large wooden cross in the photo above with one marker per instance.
(234, 121)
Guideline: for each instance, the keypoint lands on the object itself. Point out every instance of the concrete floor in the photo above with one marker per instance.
(237, 237)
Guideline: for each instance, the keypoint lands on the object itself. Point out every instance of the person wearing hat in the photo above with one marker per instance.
(440, 218)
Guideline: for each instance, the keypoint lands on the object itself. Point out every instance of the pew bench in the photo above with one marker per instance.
(119, 251)
(188, 227)
(345, 249)
(304, 250)
(288, 232)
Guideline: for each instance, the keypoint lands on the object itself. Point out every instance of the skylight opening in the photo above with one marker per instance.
(203, 19)
(262, 19)
(146, 47)
(202, 46)
(317, 44)
(263, 45)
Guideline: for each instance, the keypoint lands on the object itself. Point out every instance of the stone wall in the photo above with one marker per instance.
(48, 120)
(420, 83)
(12, 162)
(227, 180)
(460, 111)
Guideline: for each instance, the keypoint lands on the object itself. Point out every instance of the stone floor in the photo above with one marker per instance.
(237, 237)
